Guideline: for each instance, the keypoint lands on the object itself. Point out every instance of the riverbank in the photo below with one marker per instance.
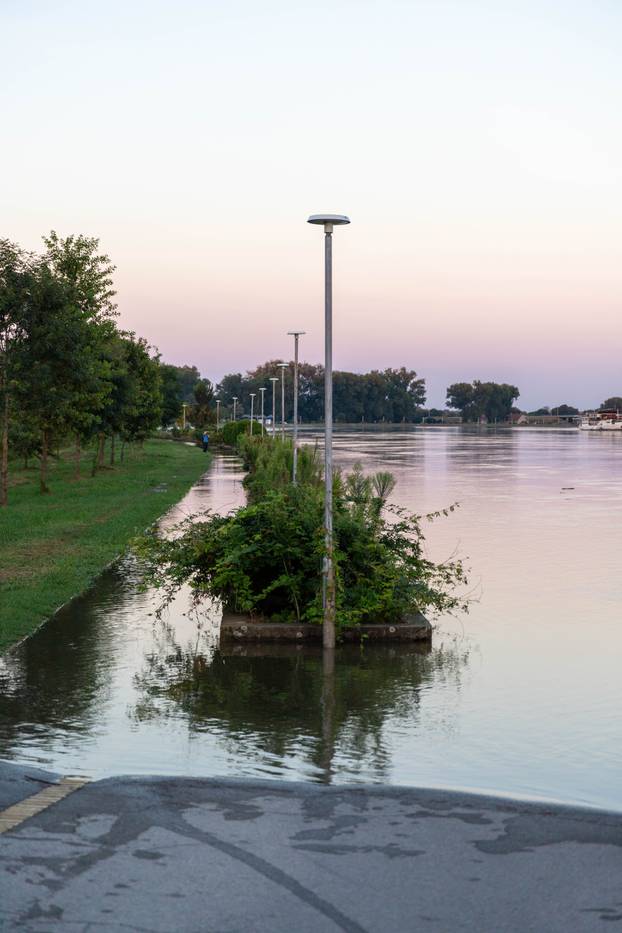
(187, 854)
(52, 547)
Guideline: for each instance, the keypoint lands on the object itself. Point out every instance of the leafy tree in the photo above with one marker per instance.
(187, 377)
(171, 394)
(53, 358)
(615, 402)
(142, 409)
(565, 410)
(76, 261)
(492, 399)
(14, 293)
(203, 408)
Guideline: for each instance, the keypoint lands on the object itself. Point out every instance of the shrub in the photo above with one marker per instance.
(265, 559)
(232, 430)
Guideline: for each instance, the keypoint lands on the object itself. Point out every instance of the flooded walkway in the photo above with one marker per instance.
(521, 697)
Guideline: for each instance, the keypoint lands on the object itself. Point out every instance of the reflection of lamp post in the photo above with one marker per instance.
(274, 380)
(235, 405)
(252, 394)
(283, 367)
(263, 424)
(328, 221)
(218, 414)
(296, 334)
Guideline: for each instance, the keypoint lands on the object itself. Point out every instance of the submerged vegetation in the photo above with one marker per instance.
(265, 558)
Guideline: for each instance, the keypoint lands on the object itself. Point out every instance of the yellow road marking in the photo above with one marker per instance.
(15, 815)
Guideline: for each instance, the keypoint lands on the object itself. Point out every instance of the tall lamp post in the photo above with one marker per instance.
(263, 396)
(235, 405)
(183, 421)
(274, 380)
(295, 334)
(283, 367)
(328, 221)
(252, 394)
(217, 414)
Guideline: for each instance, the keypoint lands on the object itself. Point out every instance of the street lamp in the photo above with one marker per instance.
(183, 423)
(274, 380)
(295, 334)
(263, 395)
(252, 394)
(217, 414)
(235, 405)
(328, 221)
(283, 367)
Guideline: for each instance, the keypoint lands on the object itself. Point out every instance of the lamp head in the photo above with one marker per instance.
(296, 333)
(335, 219)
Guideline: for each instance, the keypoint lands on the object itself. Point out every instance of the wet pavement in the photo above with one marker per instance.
(185, 854)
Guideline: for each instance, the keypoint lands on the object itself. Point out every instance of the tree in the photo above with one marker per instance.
(565, 410)
(14, 291)
(615, 402)
(142, 409)
(88, 274)
(202, 410)
(492, 399)
(171, 394)
(54, 357)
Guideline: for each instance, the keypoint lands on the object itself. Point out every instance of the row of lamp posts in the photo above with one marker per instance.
(328, 221)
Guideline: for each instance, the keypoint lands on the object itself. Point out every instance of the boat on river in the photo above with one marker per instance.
(607, 420)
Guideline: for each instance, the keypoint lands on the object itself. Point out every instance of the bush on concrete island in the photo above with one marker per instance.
(265, 559)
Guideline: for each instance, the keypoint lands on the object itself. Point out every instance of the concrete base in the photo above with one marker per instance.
(240, 628)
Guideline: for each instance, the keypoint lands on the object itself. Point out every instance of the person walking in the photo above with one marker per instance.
(205, 440)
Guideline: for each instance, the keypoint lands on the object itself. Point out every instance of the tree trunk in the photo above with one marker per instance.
(43, 476)
(112, 450)
(98, 459)
(4, 455)
(78, 453)
(122, 457)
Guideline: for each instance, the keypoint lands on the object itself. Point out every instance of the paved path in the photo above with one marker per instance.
(158, 854)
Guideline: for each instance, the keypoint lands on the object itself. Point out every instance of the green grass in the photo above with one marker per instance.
(53, 546)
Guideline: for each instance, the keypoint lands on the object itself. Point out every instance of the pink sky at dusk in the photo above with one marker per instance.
(477, 147)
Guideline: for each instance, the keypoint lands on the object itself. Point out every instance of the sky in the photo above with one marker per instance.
(475, 144)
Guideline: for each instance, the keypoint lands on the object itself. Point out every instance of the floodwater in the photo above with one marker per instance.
(520, 697)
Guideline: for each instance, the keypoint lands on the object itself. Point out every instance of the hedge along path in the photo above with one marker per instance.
(18, 813)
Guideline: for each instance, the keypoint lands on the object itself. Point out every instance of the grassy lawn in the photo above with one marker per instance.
(52, 547)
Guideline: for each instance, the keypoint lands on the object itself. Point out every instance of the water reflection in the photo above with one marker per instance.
(274, 703)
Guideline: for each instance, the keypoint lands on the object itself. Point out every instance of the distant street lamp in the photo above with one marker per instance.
(263, 396)
(283, 367)
(235, 405)
(295, 334)
(252, 407)
(183, 415)
(328, 221)
(274, 380)
(217, 414)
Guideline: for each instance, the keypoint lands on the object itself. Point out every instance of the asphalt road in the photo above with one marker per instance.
(170, 854)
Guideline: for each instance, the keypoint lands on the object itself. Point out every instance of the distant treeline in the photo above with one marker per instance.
(392, 395)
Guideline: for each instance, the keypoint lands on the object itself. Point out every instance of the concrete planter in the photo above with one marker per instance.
(242, 629)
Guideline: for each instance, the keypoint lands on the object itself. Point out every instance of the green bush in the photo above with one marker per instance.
(265, 559)
(232, 430)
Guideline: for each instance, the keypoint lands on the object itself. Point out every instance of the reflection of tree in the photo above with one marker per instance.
(283, 701)
(59, 677)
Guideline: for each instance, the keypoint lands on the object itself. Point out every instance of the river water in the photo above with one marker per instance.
(520, 697)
